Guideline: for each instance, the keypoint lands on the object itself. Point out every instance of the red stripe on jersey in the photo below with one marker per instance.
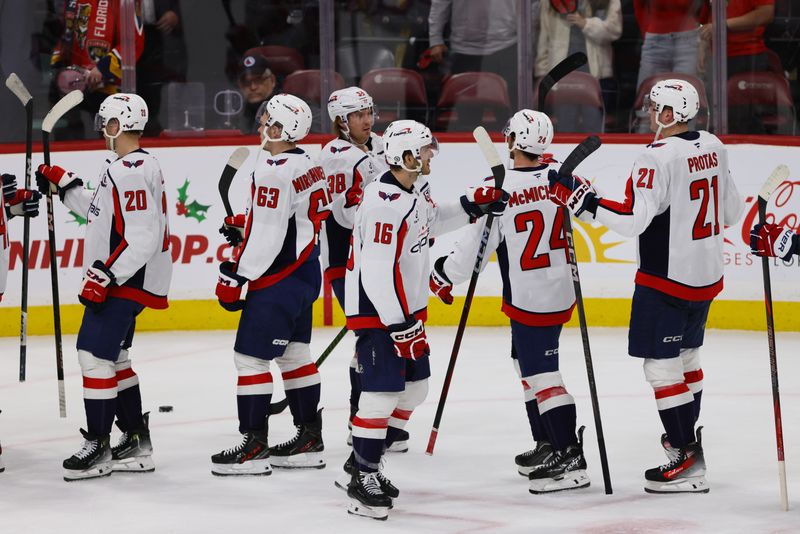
(671, 391)
(99, 383)
(274, 278)
(398, 276)
(334, 273)
(676, 289)
(300, 372)
(139, 295)
(549, 393)
(690, 377)
(625, 207)
(119, 226)
(125, 373)
(370, 423)
(529, 318)
(361, 322)
(353, 195)
(402, 414)
(525, 385)
(251, 380)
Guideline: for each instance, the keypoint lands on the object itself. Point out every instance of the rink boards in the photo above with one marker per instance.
(607, 260)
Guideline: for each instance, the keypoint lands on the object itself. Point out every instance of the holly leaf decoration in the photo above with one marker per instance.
(182, 192)
(196, 210)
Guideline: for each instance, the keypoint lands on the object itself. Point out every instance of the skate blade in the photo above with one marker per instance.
(574, 480)
(683, 485)
(249, 468)
(306, 460)
(136, 464)
(373, 512)
(342, 482)
(398, 446)
(98, 471)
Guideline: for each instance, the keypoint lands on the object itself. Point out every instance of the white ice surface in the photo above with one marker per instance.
(469, 485)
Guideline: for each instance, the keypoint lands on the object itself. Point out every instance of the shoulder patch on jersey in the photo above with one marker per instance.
(276, 162)
(656, 145)
(389, 197)
(334, 150)
(133, 164)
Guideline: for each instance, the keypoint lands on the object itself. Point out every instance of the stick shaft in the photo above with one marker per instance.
(26, 240)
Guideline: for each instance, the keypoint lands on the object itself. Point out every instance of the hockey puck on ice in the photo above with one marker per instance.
(165, 408)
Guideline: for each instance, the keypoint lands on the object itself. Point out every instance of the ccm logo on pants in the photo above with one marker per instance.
(282, 342)
(672, 339)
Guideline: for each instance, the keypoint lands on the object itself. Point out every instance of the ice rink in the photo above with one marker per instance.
(469, 485)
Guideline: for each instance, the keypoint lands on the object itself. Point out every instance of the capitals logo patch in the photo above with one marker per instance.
(388, 197)
(133, 164)
(276, 162)
(334, 150)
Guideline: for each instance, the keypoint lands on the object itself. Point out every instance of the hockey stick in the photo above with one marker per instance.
(67, 102)
(778, 176)
(581, 152)
(235, 161)
(566, 66)
(278, 407)
(499, 172)
(16, 86)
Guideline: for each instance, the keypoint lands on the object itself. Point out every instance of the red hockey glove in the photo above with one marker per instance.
(55, 179)
(94, 288)
(440, 285)
(773, 241)
(409, 339)
(24, 203)
(573, 192)
(229, 287)
(233, 229)
(478, 201)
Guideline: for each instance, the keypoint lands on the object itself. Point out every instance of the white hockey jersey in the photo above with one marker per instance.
(679, 198)
(288, 203)
(531, 251)
(348, 169)
(127, 227)
(387, 273)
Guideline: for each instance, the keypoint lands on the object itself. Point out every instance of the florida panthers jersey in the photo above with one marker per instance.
(679, 198)
(348, 170)
(127, 227)
(531, 252)
(287, 205)
(387, 274)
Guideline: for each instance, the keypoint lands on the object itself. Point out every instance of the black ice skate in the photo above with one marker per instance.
(685, 474)
(304, 450)
(134, 451)
(251, 457)
(566, 470)
(367, 498)
(530, 461)
(400, 444)
(92, 461)
(2, 465)
(671, 451)
(350, 468)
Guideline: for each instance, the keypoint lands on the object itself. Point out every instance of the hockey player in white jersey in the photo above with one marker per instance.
(679, 198)
(538, 298)
(386, 297)
(279, 263)
(129, 267)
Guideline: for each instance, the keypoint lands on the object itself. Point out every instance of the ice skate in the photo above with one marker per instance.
(671, 451)
(2, 465)
(531, 460)
(566, 470)
(685, 474)
(134, 451)
(92, 461)
(304, 450)
(251, 457)
(349, 467)
(400, 444)
(367, 498)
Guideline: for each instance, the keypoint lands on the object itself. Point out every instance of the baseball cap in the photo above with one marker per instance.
(253, 64)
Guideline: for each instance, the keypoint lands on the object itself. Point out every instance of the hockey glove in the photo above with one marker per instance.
(233, 229)
(478, 201)
(440, 285)
(94, 288)
(409, 339)
(9, 182)
(573, 192)
(229, 287)
(773, 241)
(55, 179)
(24, 203)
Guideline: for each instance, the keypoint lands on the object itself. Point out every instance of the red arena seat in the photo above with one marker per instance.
(306, 84)
(282, 59)
(398, 93)
(469, 92)
(760, 102)
(576, 89)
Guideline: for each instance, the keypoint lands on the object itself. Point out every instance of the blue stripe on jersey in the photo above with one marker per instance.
(338, 238)
(502, 260)
(654, 246)
(288, 253)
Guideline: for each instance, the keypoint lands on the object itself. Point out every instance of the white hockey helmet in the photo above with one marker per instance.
(407, 135)
(293, 115)
(680, 95)
(532, 131)
(129, 109)
(348, 100)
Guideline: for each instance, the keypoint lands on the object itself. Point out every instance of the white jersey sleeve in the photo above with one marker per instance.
(442, 217)
(460, 262)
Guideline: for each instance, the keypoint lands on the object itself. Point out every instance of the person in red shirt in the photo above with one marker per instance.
(746, 21)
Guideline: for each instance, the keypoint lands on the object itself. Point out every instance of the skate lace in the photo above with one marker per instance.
(237, 448)
(371, 484)
(123, 440)
(381, 477)
(672, 464)
(291, 441)
(89, 446)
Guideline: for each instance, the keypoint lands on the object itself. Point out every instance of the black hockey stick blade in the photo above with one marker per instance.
(490, 153)
(234, 163)
(569, 64)
(578, 154)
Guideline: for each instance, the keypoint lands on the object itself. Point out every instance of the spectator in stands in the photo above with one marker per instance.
(671, 37)
(257, 84)
(590, 29)
(746, 21)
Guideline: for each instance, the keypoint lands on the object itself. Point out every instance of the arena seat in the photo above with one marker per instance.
(703, 117)
(306, 84)
(282, 59)
(470, 98)
(575, 89)
(352, 60)
(760, 102)
(398, 93)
